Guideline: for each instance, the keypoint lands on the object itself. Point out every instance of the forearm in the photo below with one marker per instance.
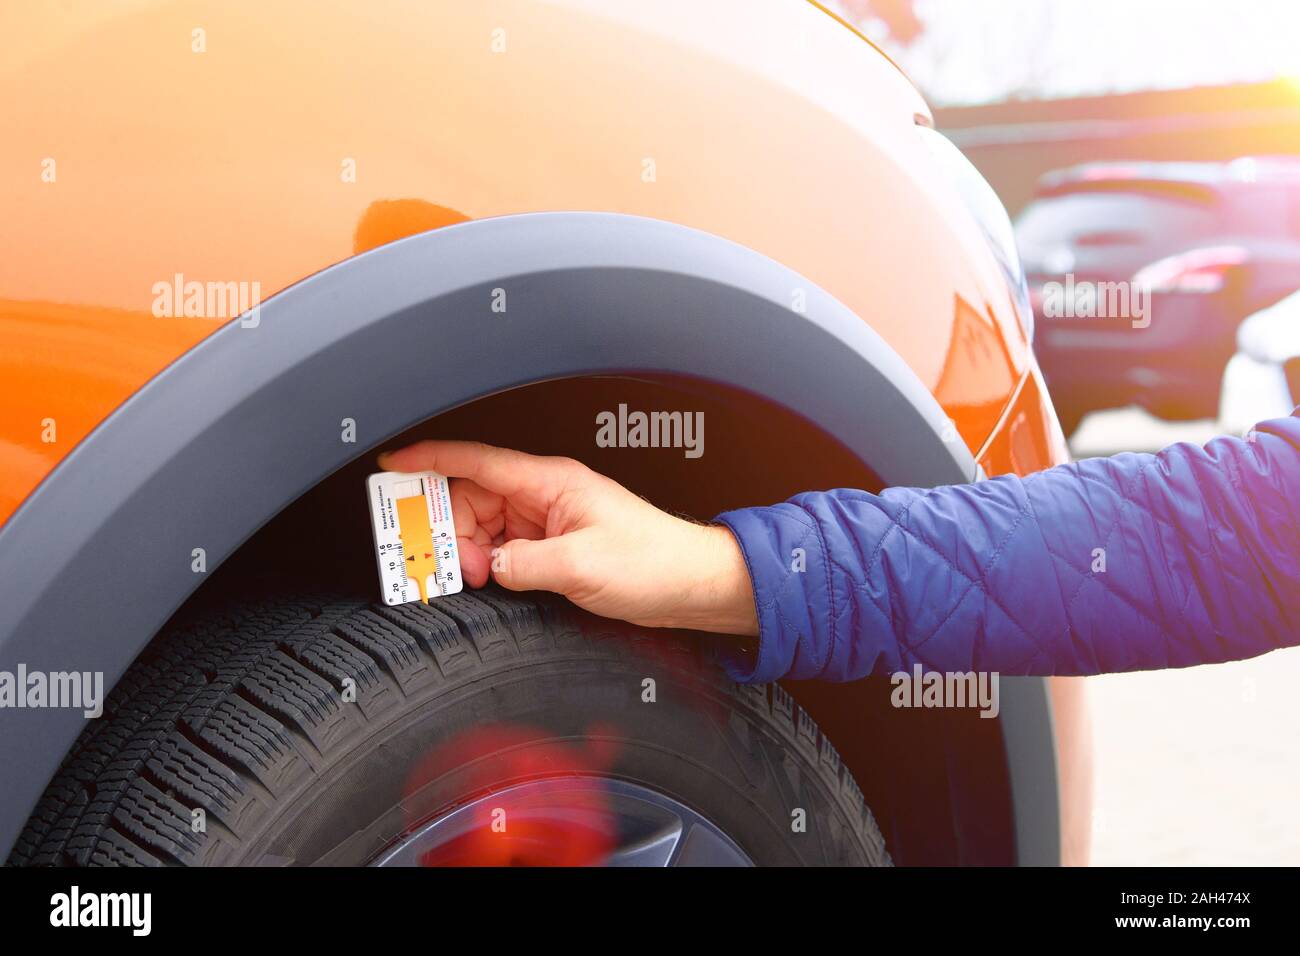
(712, 583)
(1140, 561)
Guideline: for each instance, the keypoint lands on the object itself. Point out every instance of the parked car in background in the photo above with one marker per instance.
(1262, 380)
(1195, 247)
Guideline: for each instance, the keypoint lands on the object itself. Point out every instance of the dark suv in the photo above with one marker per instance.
(1140, 274)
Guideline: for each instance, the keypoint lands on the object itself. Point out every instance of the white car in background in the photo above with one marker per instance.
(1262, 380)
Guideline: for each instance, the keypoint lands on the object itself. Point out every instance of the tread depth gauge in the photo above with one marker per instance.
(415, 540)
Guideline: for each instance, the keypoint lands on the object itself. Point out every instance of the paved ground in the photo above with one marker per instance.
(1197, 766)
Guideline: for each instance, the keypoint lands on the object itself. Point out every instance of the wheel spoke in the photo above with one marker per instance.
(619, 823)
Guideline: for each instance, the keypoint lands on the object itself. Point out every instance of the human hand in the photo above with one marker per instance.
(553, 524)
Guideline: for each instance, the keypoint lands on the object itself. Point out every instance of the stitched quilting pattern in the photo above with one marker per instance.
(1000, 575)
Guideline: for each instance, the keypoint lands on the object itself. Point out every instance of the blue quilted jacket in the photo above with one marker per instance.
(1189, 556)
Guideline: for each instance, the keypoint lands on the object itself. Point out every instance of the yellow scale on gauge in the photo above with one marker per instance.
(415, 540)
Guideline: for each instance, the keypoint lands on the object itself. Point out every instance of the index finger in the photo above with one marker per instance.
(503, 471)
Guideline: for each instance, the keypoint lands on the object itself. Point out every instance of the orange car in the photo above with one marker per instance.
(245, 245)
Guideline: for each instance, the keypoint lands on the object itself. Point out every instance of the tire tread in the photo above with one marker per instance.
(224, 708)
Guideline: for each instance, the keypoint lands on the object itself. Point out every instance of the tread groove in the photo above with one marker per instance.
(286, 720)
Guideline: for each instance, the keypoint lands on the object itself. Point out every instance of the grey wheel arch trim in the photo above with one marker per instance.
(244, 423)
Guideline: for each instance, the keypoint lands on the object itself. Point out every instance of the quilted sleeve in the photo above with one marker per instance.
(1189, 556)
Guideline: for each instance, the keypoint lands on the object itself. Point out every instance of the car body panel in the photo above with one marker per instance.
(250, 420)
(1027, 435)
(235, 165)
(302, 134)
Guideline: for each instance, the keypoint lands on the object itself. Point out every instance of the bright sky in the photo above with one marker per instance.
(981, 50)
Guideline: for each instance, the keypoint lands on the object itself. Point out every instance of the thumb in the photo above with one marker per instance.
(523, 564)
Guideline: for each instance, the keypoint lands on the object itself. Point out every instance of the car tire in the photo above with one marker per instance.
(306, 731)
